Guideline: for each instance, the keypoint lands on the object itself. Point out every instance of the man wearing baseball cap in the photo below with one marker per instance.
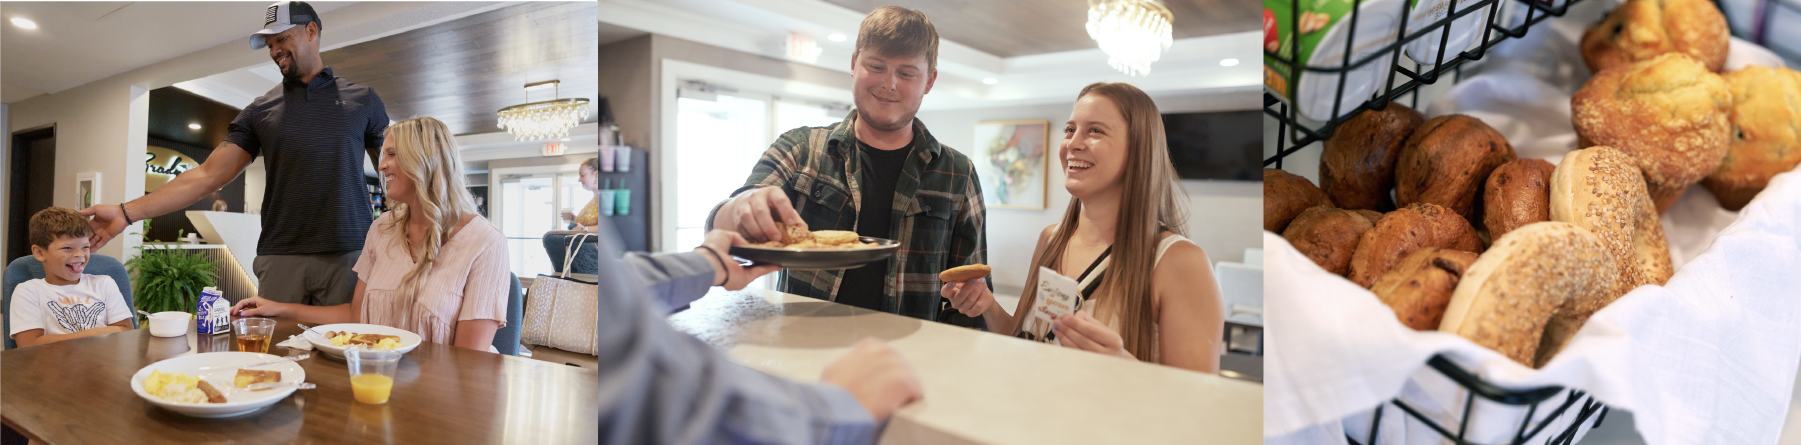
(312, 131)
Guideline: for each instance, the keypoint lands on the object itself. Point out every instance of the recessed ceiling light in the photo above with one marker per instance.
(24, 23)
(835, 37)
(565, 139)
(1228, 62)
(193, 126)
(991, 81)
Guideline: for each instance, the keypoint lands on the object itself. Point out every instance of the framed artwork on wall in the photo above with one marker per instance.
(1012, 160)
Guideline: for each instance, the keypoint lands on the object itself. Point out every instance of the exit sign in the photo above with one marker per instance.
(553, 149)
(801, 48)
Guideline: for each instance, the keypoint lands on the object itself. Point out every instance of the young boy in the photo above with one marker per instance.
(65, 304)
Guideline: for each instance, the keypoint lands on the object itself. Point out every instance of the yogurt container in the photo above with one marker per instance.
(1466, 32)
(1324, 28)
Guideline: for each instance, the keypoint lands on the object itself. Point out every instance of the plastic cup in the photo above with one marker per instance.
(253, 334)
(371, 373)
(169, 324)
(622, 200)
(606, 202)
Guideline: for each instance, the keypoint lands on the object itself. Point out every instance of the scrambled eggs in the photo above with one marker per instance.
(179, 387)
(386, 343)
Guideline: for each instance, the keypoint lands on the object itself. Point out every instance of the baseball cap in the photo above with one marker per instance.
(283, 15)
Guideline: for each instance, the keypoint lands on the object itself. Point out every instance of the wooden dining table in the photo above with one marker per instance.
(79, 391)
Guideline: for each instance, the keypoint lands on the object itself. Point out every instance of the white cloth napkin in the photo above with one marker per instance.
(1709, 358)
(297, 342)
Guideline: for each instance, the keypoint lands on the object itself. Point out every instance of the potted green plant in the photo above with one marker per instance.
(165, 279)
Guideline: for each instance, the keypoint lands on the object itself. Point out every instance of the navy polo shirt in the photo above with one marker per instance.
(313, 140)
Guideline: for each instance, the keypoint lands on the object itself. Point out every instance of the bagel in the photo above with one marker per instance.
(1285, 196)
(1420, 286)
(1517, 193)
(1328, 236)
(964, 273)
(1531, 291)
(1599, 189)
(1357, 164)
(1446, 162)
(1403, 231)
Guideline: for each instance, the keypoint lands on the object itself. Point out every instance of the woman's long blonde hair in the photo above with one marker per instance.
(1149, 203)
(426, 153)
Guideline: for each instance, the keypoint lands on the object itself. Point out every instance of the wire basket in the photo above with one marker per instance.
(1296, 133)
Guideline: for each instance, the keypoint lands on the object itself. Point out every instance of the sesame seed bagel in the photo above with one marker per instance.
(1600, 189)
(1531, 290)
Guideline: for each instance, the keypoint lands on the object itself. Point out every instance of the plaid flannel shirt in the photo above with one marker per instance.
(938, 215)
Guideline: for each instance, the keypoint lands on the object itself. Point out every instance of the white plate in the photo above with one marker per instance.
(220, 369)
(408, 340)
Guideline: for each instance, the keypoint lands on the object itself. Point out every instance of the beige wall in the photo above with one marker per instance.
(100, 127)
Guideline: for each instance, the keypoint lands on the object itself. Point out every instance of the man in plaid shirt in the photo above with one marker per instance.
(878, 173)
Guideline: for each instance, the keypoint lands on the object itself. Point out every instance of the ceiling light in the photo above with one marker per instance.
(991, 81)
(24, 23)
(835, 37)
(1133, 33)
(1228, 62)
(565, 139)
(544, 120)
(193, 126)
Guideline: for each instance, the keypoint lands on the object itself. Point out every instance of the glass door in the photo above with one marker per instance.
(529, 208)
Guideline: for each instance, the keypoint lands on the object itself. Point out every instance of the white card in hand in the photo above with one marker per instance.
(1056, 296)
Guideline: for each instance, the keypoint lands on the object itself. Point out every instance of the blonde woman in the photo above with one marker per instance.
(432, 266)
(1148, 291)
(588, 219)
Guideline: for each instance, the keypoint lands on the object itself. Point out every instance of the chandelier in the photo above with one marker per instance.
(544, 120)
(1133, 33)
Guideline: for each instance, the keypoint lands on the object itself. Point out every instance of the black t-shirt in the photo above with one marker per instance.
(313, 140)
(863, 287)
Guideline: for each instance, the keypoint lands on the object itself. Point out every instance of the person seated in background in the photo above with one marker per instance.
(65, 304)
(590, 179)
(1147, 292)
(432, 266)
(558, 243)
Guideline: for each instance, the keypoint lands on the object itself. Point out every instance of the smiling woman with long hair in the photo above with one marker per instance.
(432, 266)
(1148, 291)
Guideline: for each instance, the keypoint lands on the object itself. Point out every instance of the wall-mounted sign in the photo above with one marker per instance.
(162, 164)
(553, 149)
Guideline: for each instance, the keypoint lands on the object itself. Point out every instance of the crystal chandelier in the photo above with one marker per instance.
(1133, 33)
(545, 120)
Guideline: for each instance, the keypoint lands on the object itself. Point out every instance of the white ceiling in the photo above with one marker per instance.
(80, 42)
(1190, 66)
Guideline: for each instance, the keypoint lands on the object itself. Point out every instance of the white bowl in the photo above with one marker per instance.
(169, 324)
(219, 369)
(408, 340)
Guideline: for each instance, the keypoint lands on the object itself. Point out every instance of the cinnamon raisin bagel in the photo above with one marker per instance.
(1357, 166)
(1517, 193)
(1669, 114)
(1286, 195)
(1599, 189)
(1327, 236)
(1404, 231)
(1420, 286)
(1447, 160)
(1533, 288)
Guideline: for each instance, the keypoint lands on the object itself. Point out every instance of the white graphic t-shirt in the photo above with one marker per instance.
(92, 303)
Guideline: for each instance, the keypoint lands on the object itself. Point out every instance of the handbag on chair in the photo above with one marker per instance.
(561, 312)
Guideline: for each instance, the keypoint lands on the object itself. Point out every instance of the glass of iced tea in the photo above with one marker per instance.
(253, 334)
(371, 373)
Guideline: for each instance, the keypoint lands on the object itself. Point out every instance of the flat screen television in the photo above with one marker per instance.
(1223, 145)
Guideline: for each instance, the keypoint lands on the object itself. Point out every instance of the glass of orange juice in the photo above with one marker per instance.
(371, 373)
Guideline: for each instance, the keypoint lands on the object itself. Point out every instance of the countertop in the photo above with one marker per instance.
(982, 387)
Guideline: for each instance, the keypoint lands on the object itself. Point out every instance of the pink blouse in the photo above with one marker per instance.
(468, 281)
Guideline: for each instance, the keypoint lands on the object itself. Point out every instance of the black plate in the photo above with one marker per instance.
(819, 258)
